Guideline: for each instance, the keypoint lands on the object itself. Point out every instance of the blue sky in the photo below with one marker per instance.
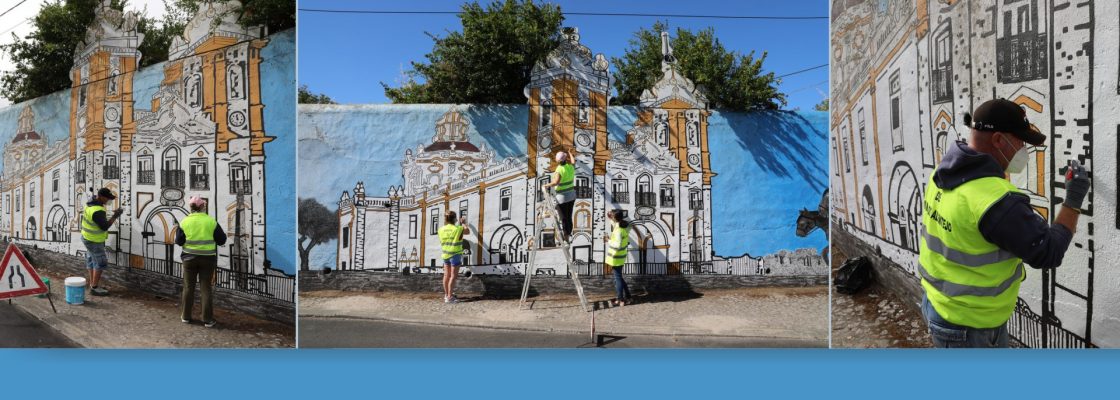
(346, 56)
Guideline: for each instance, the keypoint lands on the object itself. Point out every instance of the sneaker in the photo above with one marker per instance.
(99, 291)
(210, 324)
(453, 299)
(186, 321)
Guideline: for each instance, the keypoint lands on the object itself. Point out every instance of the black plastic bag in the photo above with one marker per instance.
(853, 276)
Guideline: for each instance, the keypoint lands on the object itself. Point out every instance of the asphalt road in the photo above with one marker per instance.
(19, 329)
(350, 333)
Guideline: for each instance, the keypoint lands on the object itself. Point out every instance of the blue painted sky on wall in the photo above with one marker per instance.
(769, 164)
(278, 86)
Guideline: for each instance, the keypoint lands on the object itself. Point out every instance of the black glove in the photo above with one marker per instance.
(118, 212)
(1077, 185)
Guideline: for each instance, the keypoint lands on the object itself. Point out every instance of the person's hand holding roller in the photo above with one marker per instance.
(1077, 185)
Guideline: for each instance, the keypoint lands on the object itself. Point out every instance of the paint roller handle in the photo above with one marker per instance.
(1077, 185)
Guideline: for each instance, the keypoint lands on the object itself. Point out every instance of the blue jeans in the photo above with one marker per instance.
(95, 255)
(946, 334)
(621, 291)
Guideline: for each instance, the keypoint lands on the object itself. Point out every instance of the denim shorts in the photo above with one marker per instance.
(454, 261)
(949, 335)
(95, 255)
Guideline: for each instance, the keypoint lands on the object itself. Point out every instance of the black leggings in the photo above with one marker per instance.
(565, 210)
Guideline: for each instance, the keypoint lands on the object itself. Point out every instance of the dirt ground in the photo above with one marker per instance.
(130, 319)
(874, 318)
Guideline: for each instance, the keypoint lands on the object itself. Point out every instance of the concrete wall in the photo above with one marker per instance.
(904, 72)
(505, 286)
(202, 123)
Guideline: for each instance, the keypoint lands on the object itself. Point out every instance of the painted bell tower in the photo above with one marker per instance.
(101, 104)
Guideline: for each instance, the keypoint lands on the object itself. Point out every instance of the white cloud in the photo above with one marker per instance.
(17, 22)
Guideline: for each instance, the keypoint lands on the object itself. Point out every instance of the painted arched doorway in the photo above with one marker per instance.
(159, 238)
(505, 245)
(652, 247)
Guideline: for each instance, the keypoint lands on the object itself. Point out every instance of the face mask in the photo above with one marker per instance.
(1018, 162)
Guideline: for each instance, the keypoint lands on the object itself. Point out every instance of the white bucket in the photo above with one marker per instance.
(75, 290)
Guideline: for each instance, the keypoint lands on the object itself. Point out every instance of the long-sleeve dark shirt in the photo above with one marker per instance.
(1010, 223)
(181, 239)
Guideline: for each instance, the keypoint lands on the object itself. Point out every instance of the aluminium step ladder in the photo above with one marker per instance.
(531, 267)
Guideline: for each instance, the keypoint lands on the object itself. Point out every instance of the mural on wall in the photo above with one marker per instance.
(903, 74)
(652, 161)
(203, 134)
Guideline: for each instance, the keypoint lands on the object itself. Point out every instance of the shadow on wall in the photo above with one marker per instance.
(780, 146)
(493, 123)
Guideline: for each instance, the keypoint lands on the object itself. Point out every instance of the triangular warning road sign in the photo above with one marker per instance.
(17, 277)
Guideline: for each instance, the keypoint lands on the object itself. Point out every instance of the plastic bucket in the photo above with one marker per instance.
(75, 290)
(46, 281)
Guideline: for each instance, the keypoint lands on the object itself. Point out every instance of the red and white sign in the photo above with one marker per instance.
(17, 277)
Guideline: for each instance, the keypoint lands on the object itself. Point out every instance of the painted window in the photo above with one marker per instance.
(19, 193)
(667, 196)
(239, 179)
(505, 206)
(583, 187)
(847, 158)
(644, 195)
(896, 111)
(346, 236)
(868, 210)
(146, 174)
(583, 219)
(412, 225)
(110, 169)
(200, 178)
(584, 111)
(546, 114)
(1021, 49)
(695, 200)
(620, 191)
(463, 209)
(54, 184)
(31, 195)
(435, 221)
(943, 66)
(862, 137)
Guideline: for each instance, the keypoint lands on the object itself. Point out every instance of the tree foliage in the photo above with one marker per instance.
(729, 79)
(43, 58)
(489, 60)
(306, 96)
(822, 106)
(317, 225)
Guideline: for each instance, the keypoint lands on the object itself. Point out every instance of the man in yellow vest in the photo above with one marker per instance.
(200, 235)
(95, 231)
(563, 179)
(617, 248)
(451, 244)
(979, 229)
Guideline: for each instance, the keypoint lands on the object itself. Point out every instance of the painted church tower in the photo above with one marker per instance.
(679, 114)
(101, 118)
(568, 96)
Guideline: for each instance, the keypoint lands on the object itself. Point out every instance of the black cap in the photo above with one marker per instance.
(106, 193)
(1002, 115)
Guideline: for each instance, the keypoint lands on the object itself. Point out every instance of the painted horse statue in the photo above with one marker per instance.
(809, 221)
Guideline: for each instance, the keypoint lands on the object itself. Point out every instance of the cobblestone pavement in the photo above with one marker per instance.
(794, 313)
(128, 319)
(874, 318)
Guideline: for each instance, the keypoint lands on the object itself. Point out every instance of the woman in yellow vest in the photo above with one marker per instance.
(95, 231)
(451, 243)
(617, 244)
(200, 235)
(564, 180)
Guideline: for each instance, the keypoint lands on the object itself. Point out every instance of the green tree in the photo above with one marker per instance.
(43, 59)
(317, 225)
(489, 61)
(730, 80)
(822, 106)
(306, 96)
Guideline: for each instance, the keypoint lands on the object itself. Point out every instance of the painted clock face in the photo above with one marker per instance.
(694, 159)
(237, 118)
(112, 114)
(545, 141)
(583, 139)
